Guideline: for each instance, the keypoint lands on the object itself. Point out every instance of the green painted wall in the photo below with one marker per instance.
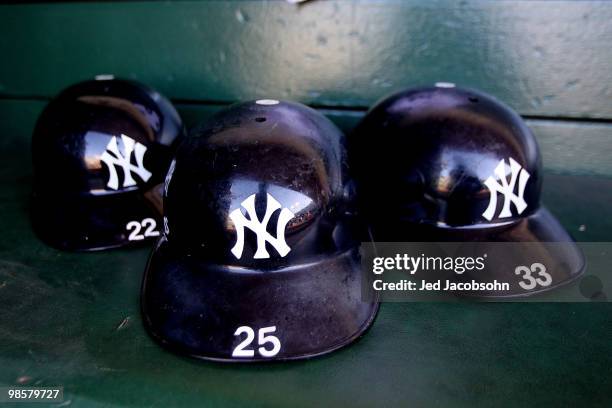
(549, 60)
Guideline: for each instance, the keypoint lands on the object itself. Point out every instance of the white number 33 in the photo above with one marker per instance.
(529, 282)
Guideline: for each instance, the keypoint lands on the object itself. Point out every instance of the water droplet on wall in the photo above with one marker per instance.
(241, 16)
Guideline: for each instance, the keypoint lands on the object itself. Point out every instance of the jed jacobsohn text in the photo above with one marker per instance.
(440, 285)
(456, 265)
(412, 264)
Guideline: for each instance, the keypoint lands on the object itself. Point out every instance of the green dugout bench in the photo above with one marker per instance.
(72, 319)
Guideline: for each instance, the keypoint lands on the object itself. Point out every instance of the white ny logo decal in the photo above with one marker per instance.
(112, 157)
(260, 227)
(506, 189)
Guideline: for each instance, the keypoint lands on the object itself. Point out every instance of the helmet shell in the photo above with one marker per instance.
(427, 155)
(258, 157)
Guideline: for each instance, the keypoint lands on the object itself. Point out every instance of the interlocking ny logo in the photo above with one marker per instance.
(260, 227)
(507, 189)
(112, 157)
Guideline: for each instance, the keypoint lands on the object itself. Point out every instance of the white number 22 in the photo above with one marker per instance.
(148, 224)
(262, 339)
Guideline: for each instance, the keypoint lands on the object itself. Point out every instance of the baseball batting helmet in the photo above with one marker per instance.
(257, 260)
(449, 164)
(100, 152)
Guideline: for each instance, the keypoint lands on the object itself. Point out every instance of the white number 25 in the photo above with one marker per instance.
(262, 339)
(148, 225)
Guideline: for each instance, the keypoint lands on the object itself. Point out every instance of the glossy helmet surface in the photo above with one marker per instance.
(258, 237)
(100, 151)
(449, 164)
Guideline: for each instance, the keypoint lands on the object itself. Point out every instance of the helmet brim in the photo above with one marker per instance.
(546, 242)
(193, 307)
(543, 239)
(94, 223)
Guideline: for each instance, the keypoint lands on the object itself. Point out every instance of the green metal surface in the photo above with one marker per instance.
(549, 58)
(73, 320)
